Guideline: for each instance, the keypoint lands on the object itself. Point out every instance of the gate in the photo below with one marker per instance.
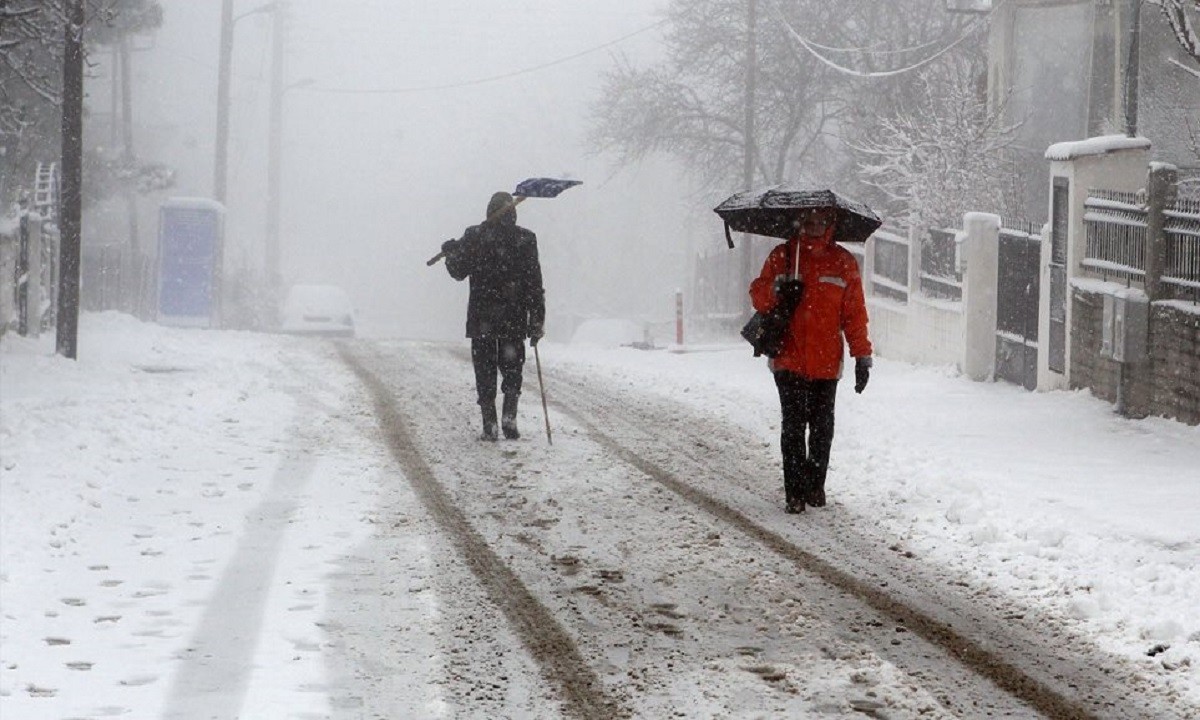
(1017, 296)
(1056, 350)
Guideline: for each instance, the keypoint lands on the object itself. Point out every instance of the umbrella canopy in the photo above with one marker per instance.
(777, 210)
(543, 187)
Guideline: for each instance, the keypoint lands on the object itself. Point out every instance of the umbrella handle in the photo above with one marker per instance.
(728, 237)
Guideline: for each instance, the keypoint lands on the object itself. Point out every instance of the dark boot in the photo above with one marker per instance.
(815, 485)
(508, 417)
(793, 488)
(490, 431)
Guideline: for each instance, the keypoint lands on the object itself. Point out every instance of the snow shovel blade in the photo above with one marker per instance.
(543, 187)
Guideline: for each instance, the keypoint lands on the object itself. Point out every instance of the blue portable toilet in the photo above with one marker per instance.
(190, 241)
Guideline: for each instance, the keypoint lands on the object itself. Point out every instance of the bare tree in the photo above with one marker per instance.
(1183, 18)
(30, 79)
(817, 62)
(31, 65)
(1185, 24)
(692, 104)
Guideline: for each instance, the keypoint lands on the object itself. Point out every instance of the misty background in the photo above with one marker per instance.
(395, 136)
(401, 118)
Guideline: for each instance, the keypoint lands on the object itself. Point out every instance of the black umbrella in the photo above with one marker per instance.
(777, 211)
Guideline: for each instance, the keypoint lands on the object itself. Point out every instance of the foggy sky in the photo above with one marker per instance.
(375, 181)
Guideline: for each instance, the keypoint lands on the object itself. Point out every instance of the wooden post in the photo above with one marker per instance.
(679, 317)
(70, 223)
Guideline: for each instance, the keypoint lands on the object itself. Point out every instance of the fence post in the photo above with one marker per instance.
(917, 232)
(1161, 190)
(868, 266)
(678, 317)
(979, 295)
(33, 277)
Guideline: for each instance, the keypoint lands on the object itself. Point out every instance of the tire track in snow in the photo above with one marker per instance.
(582, 691)
(1076, 692)
(214, 676)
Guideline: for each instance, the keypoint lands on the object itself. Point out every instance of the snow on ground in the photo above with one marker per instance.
(130, 479)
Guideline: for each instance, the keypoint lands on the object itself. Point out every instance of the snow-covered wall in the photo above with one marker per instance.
(935, 331)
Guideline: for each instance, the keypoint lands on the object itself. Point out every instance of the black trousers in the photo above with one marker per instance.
(489, 354)
(806, 430)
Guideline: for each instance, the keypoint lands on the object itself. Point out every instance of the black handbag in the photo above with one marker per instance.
(765, 331)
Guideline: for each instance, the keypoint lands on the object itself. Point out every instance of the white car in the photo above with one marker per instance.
(318, 310)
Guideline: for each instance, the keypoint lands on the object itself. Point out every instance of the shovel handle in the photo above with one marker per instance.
(517, 200)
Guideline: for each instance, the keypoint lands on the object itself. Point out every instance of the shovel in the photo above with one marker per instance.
(533, 187)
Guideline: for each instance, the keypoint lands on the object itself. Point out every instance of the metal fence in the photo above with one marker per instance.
(1115, 225)
(1181, 271)
(939, 276)
(890, 278)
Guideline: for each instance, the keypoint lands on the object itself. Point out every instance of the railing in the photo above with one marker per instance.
(1181, 271)
(939, 278)
(890, 278)
(1115, 224)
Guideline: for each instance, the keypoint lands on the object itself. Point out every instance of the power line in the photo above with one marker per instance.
(480, 81)
(812, 49)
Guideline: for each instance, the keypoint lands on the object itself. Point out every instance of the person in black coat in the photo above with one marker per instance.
(507, 304)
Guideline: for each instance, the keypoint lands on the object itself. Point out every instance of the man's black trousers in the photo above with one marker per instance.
(806, 430)
(490, 354)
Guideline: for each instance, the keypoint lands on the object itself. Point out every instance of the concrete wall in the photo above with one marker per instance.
(934, 331)
(925, 331)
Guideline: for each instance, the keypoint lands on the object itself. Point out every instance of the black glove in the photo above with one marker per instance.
(862, 373)
(535, 334)
(450, 247)
(789, 291)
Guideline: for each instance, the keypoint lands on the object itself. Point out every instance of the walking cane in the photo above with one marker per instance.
(545, 413)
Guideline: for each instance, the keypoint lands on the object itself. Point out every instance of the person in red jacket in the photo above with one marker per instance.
(822, 281)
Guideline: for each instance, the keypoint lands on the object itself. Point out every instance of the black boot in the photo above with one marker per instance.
(490, 431)
(793, 488)
(508, 417)
(815, 485)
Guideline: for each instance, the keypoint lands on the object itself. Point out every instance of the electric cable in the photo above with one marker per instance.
(478, 81)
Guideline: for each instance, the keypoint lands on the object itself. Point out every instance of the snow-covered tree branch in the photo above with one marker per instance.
(941, 152)
(1185, 24)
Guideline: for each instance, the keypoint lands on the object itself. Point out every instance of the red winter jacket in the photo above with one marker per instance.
(832, 306)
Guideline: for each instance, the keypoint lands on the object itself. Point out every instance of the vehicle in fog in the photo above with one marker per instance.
(318, 310)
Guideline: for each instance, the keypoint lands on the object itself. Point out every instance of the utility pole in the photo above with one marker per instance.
(275, 150)
(1132, 69)
(70, 220)
(748, 148)
(221, 160)
(133, 283)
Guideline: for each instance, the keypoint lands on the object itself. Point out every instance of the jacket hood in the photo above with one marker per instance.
(501, 209)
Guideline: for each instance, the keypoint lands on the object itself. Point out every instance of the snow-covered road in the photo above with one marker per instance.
(317, 533)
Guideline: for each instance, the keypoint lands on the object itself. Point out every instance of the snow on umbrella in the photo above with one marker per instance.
(777, 211)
